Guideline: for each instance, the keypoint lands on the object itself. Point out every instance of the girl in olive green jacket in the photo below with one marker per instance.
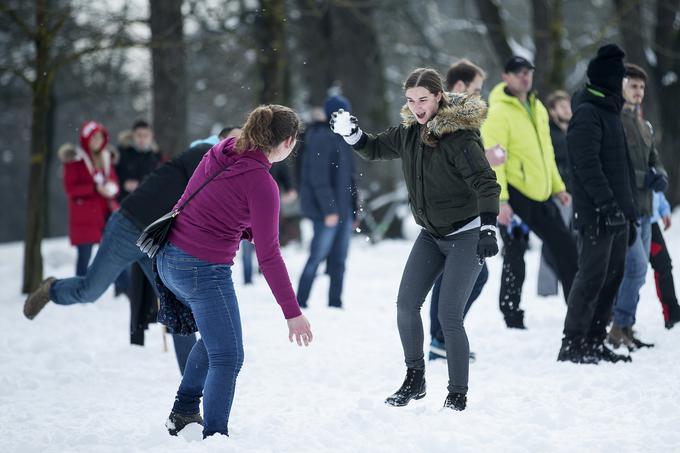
(453, 195)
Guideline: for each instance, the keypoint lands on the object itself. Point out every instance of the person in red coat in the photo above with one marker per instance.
(91, 186)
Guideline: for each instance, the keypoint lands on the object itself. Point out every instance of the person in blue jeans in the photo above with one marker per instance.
(118, 250)
(650, 177)
(233, 197)
(328, 197)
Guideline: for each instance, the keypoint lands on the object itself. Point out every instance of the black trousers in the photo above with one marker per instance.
(600, 270)
(545, 220)
(663, 271)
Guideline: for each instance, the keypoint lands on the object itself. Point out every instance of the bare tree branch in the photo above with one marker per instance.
(17, 72)
(490, 15)
(23, 25)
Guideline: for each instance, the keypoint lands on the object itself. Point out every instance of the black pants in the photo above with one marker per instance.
(545, 220)
(600, 270)
(515, 244)
(663, 267)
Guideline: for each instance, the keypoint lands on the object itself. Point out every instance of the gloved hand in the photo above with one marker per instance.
(656, 181)
(610, 215)
(342, 123)
(98, 178)
(487, 245)
(632, 233)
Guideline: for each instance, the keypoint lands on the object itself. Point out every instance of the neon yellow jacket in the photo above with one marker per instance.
(530, 167)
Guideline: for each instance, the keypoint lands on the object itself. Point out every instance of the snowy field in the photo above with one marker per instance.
(70, 382)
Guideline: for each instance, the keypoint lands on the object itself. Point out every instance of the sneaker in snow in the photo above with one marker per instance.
(176, 422)
(37, 300)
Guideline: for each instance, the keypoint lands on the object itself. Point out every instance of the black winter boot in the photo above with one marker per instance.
(456, 401)
(515, 320)
(177, 422)
(413, 388)
(574, 350)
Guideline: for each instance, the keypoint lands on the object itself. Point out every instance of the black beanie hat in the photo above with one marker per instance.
(606, 70)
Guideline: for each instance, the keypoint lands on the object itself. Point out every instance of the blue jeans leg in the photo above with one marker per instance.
(83, 259)
(215, 360)
(319, 250)
(117, 250)
(336, 261)
(635, 271)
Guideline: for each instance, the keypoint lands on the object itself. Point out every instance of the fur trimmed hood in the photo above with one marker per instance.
(69, 153)
(463, 112)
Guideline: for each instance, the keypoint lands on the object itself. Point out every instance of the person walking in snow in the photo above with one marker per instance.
(242, 201)
(91, 185)
(454, 197)
(328, 197)
(604, 208)
(518, 122)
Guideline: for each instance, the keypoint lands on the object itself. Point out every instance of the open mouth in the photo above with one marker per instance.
(421, 116)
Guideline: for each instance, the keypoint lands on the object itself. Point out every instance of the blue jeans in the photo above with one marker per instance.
(247, 249)
(117, 251)
(435, 326)
(635, 271)
(83, 258)
(216, 359)
(330, 244)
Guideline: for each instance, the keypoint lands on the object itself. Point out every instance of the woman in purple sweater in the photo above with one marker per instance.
(242, 202)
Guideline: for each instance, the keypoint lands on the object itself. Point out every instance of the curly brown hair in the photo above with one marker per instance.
(266, 127)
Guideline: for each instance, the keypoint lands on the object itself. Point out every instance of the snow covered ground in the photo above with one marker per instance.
(70, 382)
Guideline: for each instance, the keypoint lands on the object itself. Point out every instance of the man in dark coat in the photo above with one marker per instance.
(153, 198)
(328, 198)
(604, 208)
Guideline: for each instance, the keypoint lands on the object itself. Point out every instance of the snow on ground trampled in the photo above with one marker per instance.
(70, 381)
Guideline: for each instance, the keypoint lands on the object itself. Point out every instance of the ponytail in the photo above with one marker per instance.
(266, 127)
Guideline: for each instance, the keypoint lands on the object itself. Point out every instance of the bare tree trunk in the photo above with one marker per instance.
(541, 23)
(490, 14)
(37, 182)
(556, 79)
(316, 46)
(169, 75)
(271, 57)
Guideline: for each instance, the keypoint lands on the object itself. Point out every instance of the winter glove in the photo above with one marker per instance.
(632, 234)
(610, 215)
(342, 123)
(98, 179)
(656, 181)
(487, 245)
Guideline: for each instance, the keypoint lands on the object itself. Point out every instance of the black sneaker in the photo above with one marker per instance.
(413, 388)
(176, 422)
(456, 401)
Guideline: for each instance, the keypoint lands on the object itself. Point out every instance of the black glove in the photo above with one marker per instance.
(656, 181)
(610, 216)
(487, 245)
(632, 234)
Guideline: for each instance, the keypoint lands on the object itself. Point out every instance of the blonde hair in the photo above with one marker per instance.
(266, 127)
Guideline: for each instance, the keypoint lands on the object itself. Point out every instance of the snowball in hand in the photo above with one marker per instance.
(342, 123)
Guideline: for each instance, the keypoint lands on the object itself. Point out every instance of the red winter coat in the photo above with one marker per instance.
(87, 208)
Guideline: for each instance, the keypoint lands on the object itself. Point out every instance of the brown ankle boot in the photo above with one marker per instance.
(37, 300)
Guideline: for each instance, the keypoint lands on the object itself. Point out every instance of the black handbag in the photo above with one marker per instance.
(155, 235)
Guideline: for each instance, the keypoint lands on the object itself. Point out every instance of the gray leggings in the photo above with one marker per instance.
(456, 256)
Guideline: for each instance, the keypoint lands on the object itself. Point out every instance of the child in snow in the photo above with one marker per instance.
(242, 202)
(454, 196)
(91, 186)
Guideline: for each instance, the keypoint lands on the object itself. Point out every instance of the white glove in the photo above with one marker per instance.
(342, 123)
(111, 189)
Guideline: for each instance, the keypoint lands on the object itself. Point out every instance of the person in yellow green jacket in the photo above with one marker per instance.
(519, 123)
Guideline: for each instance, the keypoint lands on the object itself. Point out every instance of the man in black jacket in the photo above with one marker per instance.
(153, 198)
(604, 208)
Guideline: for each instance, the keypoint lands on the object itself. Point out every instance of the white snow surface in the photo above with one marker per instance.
(71, 382)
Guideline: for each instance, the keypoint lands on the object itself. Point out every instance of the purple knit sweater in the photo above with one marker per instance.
(241, 203)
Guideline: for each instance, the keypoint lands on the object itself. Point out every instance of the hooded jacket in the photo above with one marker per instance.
(87, 208)
(600, 165)
(242, 202)
(448, 184)
(530, 167)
